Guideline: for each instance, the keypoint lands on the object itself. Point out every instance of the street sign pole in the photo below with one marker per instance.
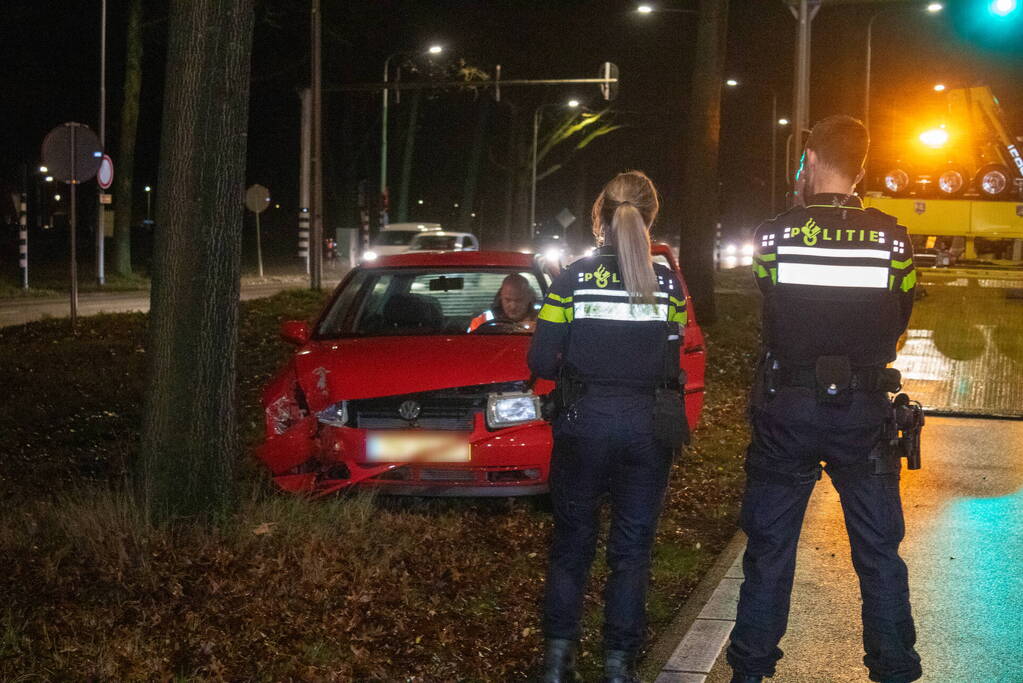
(100, 208)
(74, 225)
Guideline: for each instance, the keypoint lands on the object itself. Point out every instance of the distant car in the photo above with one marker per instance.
(387, 390)
(395, 238)
(444, 241)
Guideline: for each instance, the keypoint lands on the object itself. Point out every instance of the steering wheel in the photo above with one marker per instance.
(498, 325)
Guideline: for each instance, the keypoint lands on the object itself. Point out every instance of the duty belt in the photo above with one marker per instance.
(862, 379)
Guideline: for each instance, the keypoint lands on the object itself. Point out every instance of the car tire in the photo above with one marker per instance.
(898, 181)
(950, 181)
(993, 181)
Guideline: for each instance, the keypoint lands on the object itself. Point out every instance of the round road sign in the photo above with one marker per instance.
(257, 198)
(72, 153)
(105, 174)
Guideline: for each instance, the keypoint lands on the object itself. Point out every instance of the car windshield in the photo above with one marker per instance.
(409, 301)
(434, 243)
(394, 238)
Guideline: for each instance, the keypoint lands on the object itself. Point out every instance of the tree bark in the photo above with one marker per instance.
(123, 204)
(189, 440)
(700, 205)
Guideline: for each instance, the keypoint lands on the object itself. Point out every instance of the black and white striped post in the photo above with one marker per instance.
(23, 239)
(717, 247)
(303, 236)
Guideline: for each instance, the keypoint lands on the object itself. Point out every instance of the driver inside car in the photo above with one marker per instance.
(514, 303)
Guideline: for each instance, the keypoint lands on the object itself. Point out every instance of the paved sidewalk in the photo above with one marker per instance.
(964, 548)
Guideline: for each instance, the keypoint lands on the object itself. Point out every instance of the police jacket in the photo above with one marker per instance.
(837, 280)
(588, 322)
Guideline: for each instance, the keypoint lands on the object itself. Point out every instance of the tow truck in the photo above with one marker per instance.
(960, 182)
(971, 153)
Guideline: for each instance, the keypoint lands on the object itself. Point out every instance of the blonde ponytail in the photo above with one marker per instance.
(622, 216)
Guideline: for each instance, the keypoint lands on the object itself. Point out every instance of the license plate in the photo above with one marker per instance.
(416, 446)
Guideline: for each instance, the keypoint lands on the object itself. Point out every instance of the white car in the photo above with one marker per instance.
(444, 241)
(395, 238)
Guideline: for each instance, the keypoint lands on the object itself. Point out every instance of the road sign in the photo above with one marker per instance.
(257, 199)
(609, 71)
(105, 174)
(72, 153)
(565, 217)
(105, 198)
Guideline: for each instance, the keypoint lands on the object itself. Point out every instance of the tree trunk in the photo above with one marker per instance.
(700, 206)
(126, 145)
(512, 164)
(472, 175)
(189, 439)
(408, 152)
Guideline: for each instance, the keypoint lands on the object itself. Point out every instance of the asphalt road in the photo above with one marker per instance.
(964, 549)
(23, 310)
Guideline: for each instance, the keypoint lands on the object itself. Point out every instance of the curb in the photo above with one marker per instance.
(689, 646)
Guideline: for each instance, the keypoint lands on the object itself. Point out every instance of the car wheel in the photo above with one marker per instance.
(897, 182)
(950, 181)
(993, 181)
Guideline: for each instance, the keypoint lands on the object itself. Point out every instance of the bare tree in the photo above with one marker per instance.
(189, 440)
(126, 144)
(700, 209)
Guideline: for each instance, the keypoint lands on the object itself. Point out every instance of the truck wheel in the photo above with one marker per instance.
(993, 181)
(950, 181)
(897, 182)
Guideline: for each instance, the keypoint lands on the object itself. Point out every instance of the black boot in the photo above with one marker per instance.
(618, 667)
(559, 662)
(745, 678)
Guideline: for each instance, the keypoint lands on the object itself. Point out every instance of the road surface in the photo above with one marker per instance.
(23, 310)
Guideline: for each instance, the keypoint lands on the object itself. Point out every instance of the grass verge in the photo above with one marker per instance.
(354, 588)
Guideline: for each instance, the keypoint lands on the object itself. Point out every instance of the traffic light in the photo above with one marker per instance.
(1002, 8)
(989, 25)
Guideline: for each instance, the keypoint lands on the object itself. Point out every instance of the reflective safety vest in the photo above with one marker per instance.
(480, 319)
(589, 321)
(837, 280)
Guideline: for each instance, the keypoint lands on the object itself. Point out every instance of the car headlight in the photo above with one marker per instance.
(730, 249)
(747, 250)
(369, 255)
(505, 410)
(335, 415)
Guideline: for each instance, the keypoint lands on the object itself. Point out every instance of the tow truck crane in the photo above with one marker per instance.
(972, 153)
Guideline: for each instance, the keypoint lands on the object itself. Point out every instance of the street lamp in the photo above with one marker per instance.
(149, 196)
(536, 129)
(433, 50)
(931, 8)
(649, 9)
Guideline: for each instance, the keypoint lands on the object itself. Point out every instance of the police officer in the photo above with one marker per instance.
(608, 331)
(837, 283)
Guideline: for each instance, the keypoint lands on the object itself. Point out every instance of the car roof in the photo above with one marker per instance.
(440, 233)
(440, 259)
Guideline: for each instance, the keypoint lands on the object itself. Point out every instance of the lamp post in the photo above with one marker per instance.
(433, 50)
(532, 186)
(149, 196)
(100, 210)
(931, 8)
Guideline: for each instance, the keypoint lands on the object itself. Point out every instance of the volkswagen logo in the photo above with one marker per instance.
(409, 410)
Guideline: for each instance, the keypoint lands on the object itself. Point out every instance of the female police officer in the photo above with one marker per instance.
(604, 329)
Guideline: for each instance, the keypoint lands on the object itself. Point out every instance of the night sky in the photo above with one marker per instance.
(51, 54)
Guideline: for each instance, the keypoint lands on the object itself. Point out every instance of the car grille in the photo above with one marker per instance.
(435, 413)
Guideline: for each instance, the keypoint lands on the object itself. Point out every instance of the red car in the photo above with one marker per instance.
(388, 389)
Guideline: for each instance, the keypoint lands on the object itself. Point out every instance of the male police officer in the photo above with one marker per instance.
(837, 283)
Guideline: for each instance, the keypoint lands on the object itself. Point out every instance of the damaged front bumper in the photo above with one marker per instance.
(319, 459)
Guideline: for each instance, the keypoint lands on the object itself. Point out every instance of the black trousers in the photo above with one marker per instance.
(604, 451)
(792, 435)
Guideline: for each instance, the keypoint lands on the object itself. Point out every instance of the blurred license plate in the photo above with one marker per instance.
(411, 446)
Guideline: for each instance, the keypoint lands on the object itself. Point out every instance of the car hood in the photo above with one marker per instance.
(385, 366)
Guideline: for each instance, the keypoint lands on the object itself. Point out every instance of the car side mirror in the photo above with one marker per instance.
(295, 332)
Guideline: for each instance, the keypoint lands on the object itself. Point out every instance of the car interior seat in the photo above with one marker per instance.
(413, 311)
